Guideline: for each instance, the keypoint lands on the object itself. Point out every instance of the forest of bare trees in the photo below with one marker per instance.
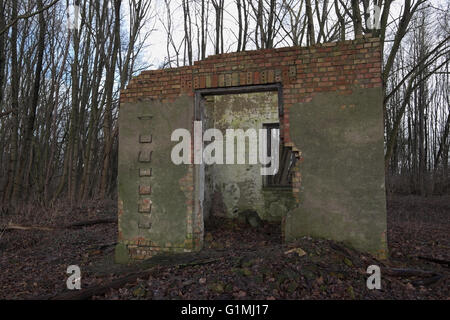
(60, 83)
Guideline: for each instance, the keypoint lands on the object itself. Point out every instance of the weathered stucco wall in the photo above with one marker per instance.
(239, 187)
(342, 195)
(332, 121)
(153, 196)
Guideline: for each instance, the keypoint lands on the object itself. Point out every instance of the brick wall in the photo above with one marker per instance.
(302, 71)
(335, 66)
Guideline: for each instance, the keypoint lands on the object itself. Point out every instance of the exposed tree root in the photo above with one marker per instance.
(430, 276)
(438, 261)
(76, 225)
(88, 293)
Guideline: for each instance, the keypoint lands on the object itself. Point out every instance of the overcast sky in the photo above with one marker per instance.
(156, 44)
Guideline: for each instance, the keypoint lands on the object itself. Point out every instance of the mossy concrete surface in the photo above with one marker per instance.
(342, 194)
(121, 254)
(166, 224)
(240, 186)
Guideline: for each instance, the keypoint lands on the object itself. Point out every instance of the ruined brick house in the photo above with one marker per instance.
(327, 102)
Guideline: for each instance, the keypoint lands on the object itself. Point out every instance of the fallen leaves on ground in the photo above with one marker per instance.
(240, 262)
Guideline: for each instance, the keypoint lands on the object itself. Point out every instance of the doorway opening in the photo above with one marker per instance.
(239, 205)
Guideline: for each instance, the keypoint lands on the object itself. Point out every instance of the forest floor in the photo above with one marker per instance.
(237, 262)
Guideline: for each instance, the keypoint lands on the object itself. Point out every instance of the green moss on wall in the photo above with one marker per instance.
(241, 185)
(342, 191)
(169, 209)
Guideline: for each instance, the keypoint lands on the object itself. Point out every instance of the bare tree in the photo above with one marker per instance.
(219, 10)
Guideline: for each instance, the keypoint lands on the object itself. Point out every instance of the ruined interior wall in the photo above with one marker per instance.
(155, 195)
(231, 189)
(342, 194)
(316, 82)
